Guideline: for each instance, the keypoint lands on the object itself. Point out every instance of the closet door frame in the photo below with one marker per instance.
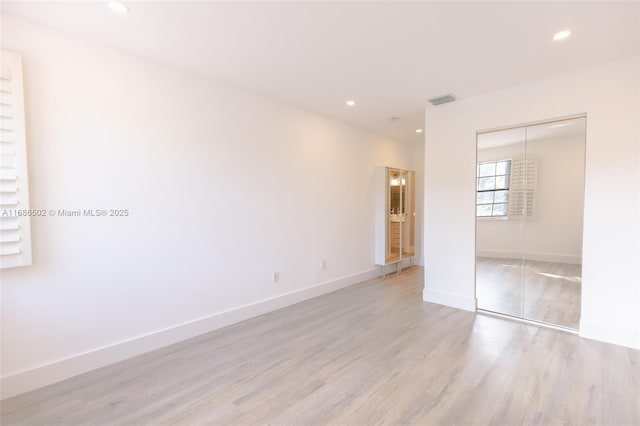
(524, 126)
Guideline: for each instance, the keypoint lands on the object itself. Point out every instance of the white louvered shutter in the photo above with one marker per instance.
(15, 235)
(522, 188)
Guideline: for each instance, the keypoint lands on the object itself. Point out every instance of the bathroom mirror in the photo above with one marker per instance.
(529, 214)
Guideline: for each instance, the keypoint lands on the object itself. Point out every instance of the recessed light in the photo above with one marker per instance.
(418, 130)
(118, 7)
(561, 35)
(351, 103)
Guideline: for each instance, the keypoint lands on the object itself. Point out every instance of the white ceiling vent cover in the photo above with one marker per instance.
(442, 99)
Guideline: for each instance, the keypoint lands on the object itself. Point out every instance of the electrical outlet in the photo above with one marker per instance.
(276, 277)
(323, 265)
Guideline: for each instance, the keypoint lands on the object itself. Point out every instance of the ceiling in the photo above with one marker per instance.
(387, 56)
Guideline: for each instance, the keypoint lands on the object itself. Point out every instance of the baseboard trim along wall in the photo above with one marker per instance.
(38, 377)
(629, 337)
(541, 257)
(448, 299)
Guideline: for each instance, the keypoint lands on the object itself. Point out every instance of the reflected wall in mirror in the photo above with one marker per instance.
(500, 236)
(529, 209)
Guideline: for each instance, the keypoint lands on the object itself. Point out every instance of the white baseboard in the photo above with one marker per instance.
(540, 257)
(610, 333)
(449, 299)
(57, 371)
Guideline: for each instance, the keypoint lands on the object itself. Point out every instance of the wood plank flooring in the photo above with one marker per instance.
(550, 291)
(373, 353)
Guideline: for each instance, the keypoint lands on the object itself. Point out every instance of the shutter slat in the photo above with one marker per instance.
(7, 99)
(5, 73)
(15, 231)
(7, 149)
(7, 136)
(8, 199)
(522, 187)
(7, 159)
(9, 214)
(10, 249)
(6, 124)
(5, 86)
(7, 237)
(8, 223)
(8, 186)
(7, 173)
(6, 111)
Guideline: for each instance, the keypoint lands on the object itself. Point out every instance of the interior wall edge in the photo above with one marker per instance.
(25, 381)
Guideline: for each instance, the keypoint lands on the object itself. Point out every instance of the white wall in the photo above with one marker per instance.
(223, 187)
(554, 232)
(611, 280)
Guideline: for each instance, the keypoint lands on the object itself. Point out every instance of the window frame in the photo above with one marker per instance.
(507, 188)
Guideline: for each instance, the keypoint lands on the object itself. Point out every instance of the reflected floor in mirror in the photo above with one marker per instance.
(551, 290)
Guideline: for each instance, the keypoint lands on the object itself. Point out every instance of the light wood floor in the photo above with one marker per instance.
(550, 291)
(373, 353)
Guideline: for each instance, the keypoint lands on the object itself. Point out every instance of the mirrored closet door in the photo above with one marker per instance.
(529, 210)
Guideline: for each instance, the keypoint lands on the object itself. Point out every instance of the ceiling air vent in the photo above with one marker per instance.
(442, 99)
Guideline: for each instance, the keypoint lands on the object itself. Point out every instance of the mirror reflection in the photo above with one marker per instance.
(500, 235)
(529, 209)
(401, 215)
